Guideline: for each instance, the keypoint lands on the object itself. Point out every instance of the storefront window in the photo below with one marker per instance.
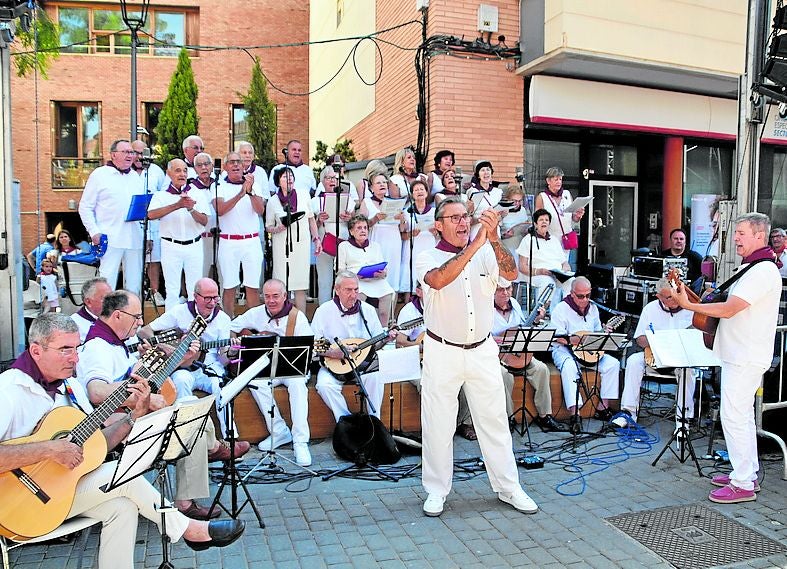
(778, 209)
(612, 160)
(708, 170)
(540, 155)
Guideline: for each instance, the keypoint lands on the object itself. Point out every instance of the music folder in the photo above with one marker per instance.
(138, 209)
(680, 348)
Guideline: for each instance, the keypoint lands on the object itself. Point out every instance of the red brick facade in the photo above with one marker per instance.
(106, 79)
(476, 107)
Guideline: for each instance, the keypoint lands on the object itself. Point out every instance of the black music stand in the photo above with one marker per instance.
(681, 434)
(156, 441)
(290, 358)
(518, 341)
(230, 474)
(592, 342)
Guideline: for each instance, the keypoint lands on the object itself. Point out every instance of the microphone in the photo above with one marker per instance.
(610, 310)
(343, 348)
(285, 151)
(146, 159)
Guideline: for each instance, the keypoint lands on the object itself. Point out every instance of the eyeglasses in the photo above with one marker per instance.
(127, 152)
(64, 351)
(198, 148)
(581, 296)
(331, 177)
(202, 164)
(134, 316)
(208, 298)
(234, 161)
(456, 218)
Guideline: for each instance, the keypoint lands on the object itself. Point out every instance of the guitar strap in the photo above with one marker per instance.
(292, 317)
(365, 324)
(730, 281)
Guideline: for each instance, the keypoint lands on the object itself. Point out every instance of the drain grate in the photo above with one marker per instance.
(695, 537)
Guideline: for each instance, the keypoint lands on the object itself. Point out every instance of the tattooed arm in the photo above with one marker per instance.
(506, 261)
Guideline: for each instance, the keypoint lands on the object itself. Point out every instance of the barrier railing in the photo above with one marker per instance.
(761, 406)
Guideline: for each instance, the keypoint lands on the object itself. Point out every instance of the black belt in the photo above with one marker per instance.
(434, 336)
(178, 242)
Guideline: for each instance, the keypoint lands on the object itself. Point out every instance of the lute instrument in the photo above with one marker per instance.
(589, 358)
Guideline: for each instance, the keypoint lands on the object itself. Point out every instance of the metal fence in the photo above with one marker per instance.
(777, 397)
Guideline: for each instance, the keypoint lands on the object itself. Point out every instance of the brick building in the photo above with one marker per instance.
(84, 104)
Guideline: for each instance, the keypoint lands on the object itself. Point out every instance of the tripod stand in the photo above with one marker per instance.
(365, 403)
(230, 475)
(681, 434)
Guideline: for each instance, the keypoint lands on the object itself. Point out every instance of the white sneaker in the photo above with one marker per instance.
(433, 506)
(277, 441)
(302, 455)
(519, 500)
(158, 300)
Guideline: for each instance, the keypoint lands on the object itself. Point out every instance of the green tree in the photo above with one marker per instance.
(343, 147)
(260, 117)
(27, 56)
(178, 118)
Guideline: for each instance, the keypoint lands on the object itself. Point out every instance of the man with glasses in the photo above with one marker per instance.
(93, 293)
(577, 314)
(779, 246)
(153, 180)
(664, 313)
(304, 177)
(192, 145)
(459, 277)
(183, 215)
(260, 176)
(41, 380)
(239, 210)
(103, 209)
(204, 184)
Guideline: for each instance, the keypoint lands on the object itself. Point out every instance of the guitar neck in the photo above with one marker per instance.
(157, 379)
(404, 326)
(211, 344)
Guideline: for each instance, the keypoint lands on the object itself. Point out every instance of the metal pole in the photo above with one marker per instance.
(134, 40)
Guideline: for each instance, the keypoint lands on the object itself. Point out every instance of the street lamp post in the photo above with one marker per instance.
(135, 21)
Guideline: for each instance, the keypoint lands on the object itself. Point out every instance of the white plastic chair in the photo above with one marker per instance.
(77, 524)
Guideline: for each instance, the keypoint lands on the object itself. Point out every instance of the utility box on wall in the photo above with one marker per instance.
(487, 18)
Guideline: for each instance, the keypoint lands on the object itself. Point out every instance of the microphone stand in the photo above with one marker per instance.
(521, 180)
(337, 168)
(365, 404)
(146, 167)
(216, 230)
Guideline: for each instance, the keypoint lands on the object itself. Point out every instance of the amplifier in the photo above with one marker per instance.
(632, 294)
(655, 268)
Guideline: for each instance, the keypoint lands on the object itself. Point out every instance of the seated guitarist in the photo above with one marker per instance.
(279, 317)
(346, 317)
(660, 314)
(179, 317)
(576, 314)
(508, 314)
(105, 360)
(38, 381)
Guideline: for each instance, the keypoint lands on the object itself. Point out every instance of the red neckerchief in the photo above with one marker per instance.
(426, 209)
(126, 171)
(137, 168)
(193, 309)
(444, 245)
(101, 329)
(375, 200)
(354, 309)
(572, 303)
(288, 202)
(352, 241)
(558, 195)
(763, 253)
(173, 190)
(670, 310)
(545, 238)
(251, 169)
(418, 304)
(26, 364)
(197, 183)
(505, 310)
(285, 310)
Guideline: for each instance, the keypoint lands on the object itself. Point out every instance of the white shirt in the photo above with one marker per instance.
(329, 323)
(260, 186)
(83, 323)
(180, 224)
(462, 311)
(241, 219)
(547, 253)
(513, 319)
(783, 259)
(257, 318)
(747, 338)
(274, 211)
(654, 317)
(23, 403)
(304, 179)
(180, 317)
(407, 313)
(105, 203)
(555, 209)
(154, 179)
(566, 321)
(101, 361)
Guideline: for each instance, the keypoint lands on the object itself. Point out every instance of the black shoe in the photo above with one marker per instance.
(603, 415)
(221, 532)
(548, 424)
(575, 424)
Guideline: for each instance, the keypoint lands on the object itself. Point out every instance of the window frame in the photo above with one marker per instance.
(80, 157)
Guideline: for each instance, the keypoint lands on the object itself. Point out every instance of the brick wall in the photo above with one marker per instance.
(219, 74)
(476, 107)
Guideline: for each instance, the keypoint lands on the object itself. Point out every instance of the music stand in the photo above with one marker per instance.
(157, 440)
(592, 342)
(518, 341)
(290, 359)
(230, 472)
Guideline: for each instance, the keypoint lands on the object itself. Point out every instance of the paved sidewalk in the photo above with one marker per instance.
(344, 523)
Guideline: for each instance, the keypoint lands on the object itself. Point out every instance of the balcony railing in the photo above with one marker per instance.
(72, 173)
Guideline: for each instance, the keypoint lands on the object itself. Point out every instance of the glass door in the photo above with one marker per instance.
(611, 222)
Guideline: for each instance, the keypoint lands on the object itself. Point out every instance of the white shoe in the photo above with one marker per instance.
(433, 506)
(158, 300)
(277, 441)
(302, 455)
(519, 500)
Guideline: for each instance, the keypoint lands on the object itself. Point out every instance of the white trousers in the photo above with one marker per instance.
(236, 253)
(176, 260)
(446, 370)
(739, 385)
(632, 381)
(608, 368)
(299, 407)
(324, 277)
(131, 259)
(119, 512)
(187, 381)
(330, 389)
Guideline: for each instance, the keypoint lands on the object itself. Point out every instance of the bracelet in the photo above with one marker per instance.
(130, 418)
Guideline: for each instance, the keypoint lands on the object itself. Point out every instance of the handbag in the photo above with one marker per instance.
(569, 240)
(330, 244)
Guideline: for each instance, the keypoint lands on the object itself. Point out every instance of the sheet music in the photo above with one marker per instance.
(680, 348)
(578, 204)
(187, 424)
(390, 207)
(142, 447)
(328, 203)
(515, 218)
(231, 390)
(400, 364)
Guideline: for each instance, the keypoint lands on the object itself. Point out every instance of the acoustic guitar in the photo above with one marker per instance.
(708, 324)
(361, 352)
(589, 358)
(38, 497)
